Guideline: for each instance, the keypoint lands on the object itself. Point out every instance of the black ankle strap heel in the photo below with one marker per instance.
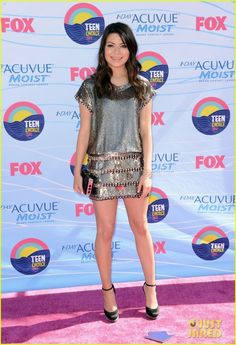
(112, 287)
(151, 285)
(111, 316)
(151, 313)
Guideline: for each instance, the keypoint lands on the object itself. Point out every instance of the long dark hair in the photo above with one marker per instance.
(103, 72)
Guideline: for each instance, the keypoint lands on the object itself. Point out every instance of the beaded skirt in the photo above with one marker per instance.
(117, 175)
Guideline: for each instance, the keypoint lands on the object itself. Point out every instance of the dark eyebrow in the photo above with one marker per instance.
(114, 43)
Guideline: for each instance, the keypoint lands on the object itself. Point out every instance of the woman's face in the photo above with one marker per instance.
(116, 52)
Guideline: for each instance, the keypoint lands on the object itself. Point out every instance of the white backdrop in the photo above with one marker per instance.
(186, 51)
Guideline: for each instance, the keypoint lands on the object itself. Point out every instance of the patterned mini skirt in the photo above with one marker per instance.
(117, 175)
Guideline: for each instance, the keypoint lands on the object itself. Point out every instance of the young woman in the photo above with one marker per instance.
(115, 130)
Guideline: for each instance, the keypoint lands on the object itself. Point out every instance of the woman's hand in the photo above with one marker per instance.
(77, 186)
(145, 185)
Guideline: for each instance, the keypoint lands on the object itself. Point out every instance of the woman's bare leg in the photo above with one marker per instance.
(105, 213)
(137, 214)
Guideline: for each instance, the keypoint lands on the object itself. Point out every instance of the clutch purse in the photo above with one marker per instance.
(88, 180)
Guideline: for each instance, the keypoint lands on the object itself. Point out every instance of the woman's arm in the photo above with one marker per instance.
(146, 136)
(82, 145)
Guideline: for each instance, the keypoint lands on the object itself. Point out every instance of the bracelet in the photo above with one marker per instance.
(147, 173)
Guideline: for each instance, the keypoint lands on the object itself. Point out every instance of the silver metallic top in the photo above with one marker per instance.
(114, 122)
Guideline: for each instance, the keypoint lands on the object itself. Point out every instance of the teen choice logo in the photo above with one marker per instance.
(210, 243)
(84, 23)
(210, 115)
(154, 68)
(30, 256)
(72, 162)
(23, 121)
(158, 206)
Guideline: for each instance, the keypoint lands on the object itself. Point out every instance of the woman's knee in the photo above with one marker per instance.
(139, 227)
(105, 231)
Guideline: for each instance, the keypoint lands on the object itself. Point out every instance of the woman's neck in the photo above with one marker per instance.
(119, 76)
(119, 72)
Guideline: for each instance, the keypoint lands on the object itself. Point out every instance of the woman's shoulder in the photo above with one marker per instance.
(89, 82)
(148, 88)
(85, 94)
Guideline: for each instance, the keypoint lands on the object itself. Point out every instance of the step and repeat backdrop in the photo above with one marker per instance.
(186, 51)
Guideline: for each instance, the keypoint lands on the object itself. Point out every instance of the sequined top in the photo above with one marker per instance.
(114, 122)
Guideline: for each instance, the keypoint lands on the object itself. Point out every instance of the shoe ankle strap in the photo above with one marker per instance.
(112, 287)
(151, 285)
